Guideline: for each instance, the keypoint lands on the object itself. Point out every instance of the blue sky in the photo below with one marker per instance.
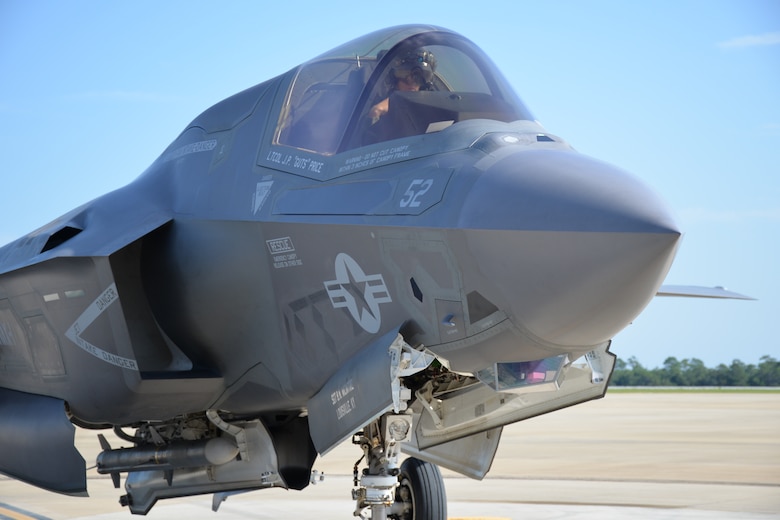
(684, 94)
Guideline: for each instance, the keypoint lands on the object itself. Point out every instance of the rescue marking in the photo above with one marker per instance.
(280, 245)
(283, 252)
(90, 314)
(343, 291)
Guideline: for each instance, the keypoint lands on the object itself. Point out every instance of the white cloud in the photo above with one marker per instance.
(753, 40)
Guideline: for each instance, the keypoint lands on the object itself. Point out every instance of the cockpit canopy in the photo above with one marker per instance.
(390, 84)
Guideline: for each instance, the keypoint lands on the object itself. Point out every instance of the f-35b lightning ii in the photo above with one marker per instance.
(380, 245)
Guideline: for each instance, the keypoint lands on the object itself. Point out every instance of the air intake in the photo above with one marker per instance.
(59, 237)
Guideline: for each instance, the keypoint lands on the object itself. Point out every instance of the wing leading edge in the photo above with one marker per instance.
(694, 291)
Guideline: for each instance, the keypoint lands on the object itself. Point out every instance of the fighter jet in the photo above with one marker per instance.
(379, 246)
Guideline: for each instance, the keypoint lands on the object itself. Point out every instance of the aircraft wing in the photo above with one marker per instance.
(694, 291)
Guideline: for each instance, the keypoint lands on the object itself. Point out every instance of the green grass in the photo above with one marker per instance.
(694, 389)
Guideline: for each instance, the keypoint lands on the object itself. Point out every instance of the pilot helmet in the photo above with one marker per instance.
(418, 64)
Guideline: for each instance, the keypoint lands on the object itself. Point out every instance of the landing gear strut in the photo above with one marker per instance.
(412, 491)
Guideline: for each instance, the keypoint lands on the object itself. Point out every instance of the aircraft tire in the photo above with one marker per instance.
(421, 484)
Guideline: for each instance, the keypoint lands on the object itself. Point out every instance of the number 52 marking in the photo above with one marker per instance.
(417, 188)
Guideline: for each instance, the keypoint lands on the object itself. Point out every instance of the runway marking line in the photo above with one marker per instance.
(8, 512)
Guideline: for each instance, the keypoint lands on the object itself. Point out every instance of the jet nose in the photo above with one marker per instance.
(570, 247)
(554, 190)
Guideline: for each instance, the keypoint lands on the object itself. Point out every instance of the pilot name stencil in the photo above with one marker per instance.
(345, 291)
(295, 161)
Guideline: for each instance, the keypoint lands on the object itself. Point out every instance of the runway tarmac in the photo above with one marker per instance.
(679, 455)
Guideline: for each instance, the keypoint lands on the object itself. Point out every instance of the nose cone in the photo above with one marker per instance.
(571, 247)
(553, 190)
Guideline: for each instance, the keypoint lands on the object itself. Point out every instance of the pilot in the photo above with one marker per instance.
(412, 71)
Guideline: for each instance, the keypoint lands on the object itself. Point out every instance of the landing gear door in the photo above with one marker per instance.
(506, 399)
(471, 456)
(356, 395)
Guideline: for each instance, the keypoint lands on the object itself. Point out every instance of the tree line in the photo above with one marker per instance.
(692, 372)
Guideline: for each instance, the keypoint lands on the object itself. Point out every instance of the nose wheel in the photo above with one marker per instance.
(420, 493)
(413, 491)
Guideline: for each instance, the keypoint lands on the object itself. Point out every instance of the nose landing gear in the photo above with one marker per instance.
(412, 491)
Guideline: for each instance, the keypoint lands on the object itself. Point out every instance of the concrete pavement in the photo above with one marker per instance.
(644, 455)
